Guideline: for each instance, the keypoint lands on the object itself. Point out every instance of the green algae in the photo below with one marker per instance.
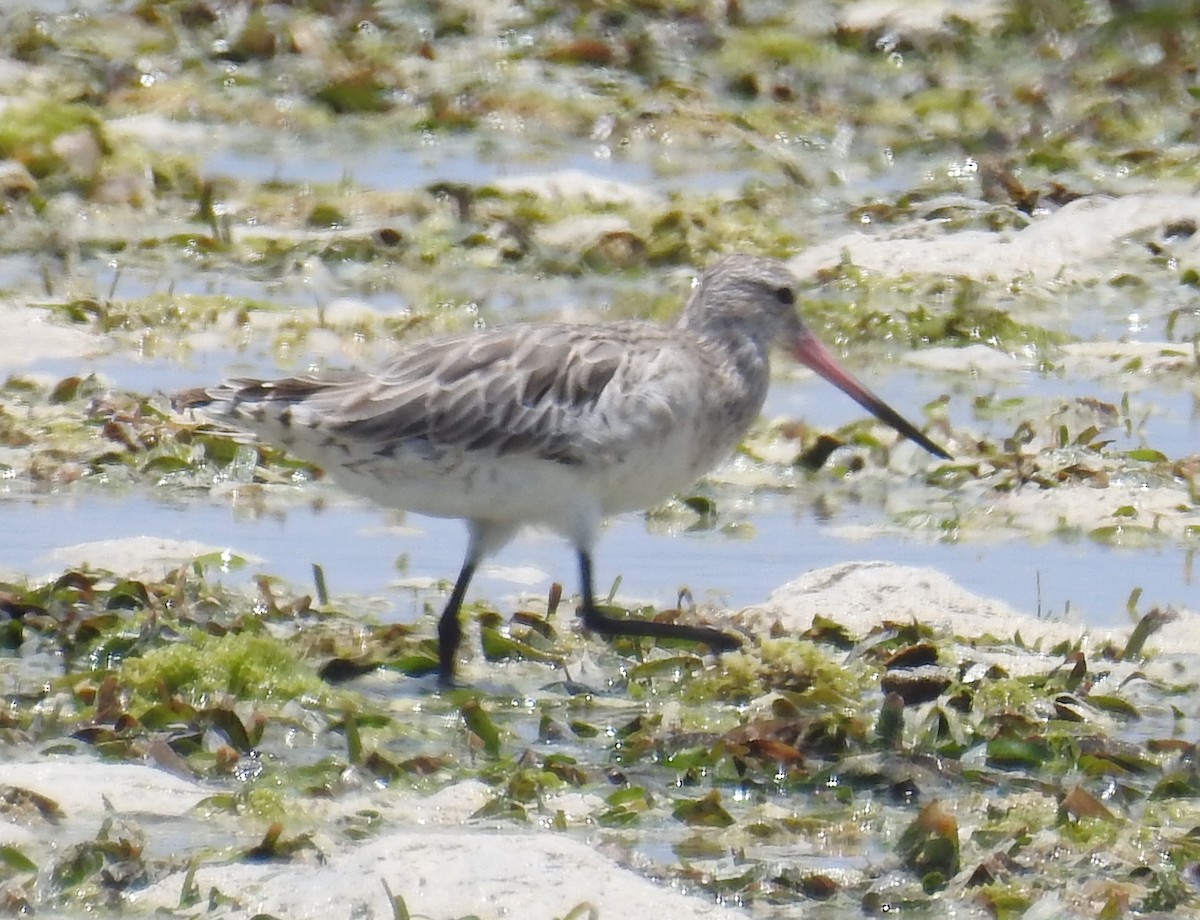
(832, 124)
(789, 723)
(28, 134)
(201, 666)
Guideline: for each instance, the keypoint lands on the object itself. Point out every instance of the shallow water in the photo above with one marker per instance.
(362, 552)
(779, 536)
(782, 537)
(774, 139)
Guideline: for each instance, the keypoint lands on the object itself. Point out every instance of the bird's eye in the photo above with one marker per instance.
(785, 296)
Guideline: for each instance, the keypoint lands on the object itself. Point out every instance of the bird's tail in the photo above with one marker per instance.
(243, 393)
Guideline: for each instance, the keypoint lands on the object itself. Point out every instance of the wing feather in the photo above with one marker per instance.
(550, 391)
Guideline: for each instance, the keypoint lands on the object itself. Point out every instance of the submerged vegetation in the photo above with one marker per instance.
(982, 773)
(295, 184)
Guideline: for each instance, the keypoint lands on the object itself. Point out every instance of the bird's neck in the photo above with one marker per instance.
(743, 347)
(738, 376)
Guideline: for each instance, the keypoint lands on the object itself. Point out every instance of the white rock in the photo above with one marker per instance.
(137, 557)
(920, 16)
(581, 232)
(42, 338)
(1067, 245)
(82, 786)
(444, 873)
(574, 183)
(861, 595)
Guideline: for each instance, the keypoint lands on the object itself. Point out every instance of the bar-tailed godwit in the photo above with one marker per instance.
(550, 424)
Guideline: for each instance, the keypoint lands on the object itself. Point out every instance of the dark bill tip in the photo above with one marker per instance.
(812, 353)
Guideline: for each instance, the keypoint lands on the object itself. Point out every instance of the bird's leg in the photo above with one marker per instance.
(449, 628)
(612, 626)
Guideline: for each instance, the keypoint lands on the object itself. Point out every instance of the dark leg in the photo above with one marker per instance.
(611, 626)
(449, 628)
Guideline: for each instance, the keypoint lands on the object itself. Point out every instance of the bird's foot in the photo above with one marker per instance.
(606, 625)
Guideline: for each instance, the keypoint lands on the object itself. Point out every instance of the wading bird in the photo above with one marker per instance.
(550, 424)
